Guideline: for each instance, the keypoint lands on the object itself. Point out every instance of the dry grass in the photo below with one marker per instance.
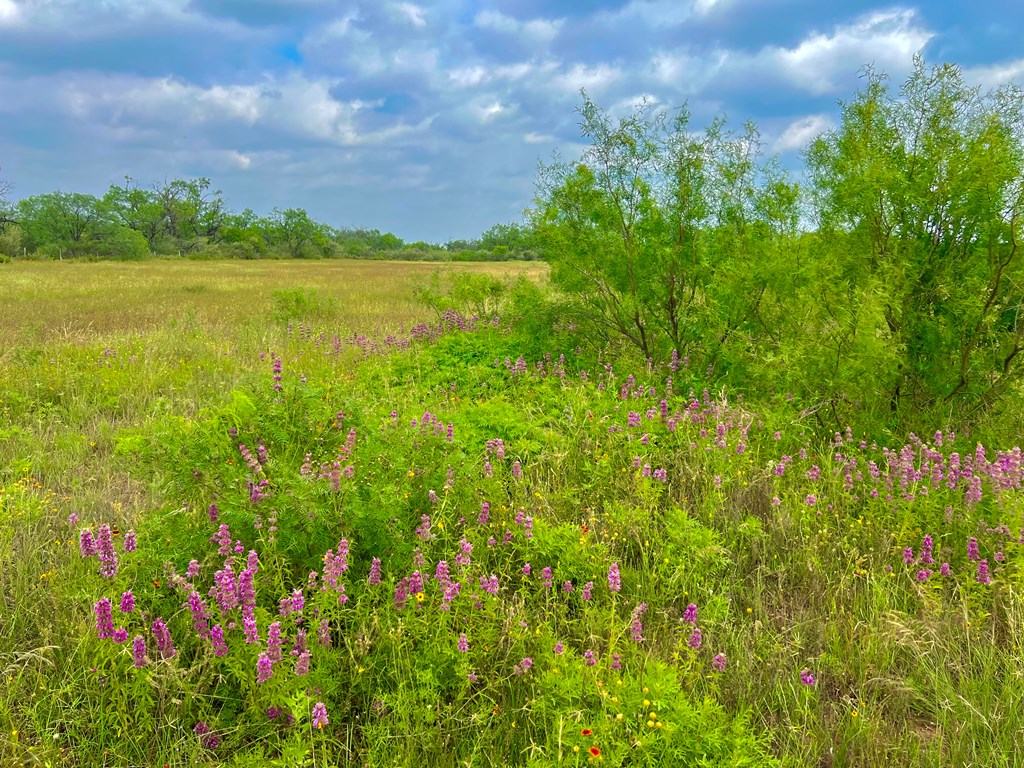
(78, 302)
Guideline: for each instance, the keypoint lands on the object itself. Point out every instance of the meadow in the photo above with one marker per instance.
(352, 514)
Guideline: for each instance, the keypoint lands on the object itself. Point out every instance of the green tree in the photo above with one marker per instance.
(67, 223)
(137, 209)
(920, 202)
(658, 235)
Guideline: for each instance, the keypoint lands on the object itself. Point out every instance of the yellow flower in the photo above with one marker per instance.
(420, 597)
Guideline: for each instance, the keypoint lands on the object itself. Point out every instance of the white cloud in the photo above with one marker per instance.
(8, 12)
(536, 30)
(886, 39)
(801, 131)
(651, 13)
(538, 138)
(996, 75)
(411, 13)
(294, 105)
(704, 7)
(594, 78)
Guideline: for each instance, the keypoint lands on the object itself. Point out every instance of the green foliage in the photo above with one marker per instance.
(301, 304)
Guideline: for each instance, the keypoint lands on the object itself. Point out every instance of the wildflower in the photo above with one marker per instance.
(264, 668)
(245, 592)
(637, 628)
(86, 544)
(323, 634)
(320, 715)
(139, 651)
(485, 512)
(546, 576)
(374, 577)
(586, 732)
(595, 752)
(220, 648)
(945, 570)
(616, 661)
(465, 550)
(588, 591)
(463, 644)
(104, 618)
(162, 635)
(982, 575)
(696, 639)
(524, 666)
(559, 648)
(127, 602)
(273, 713)
(105, 551)
(719, 662)
(302, 664)
(923, 574)
(590, 658)
(73, 519)
(193, 569)
(614, 578)
(274, 642)
(199, 615)
(129, 542)
(811, 500)
(807, 678)
(223, 540)
(527, 569)
(213, 513)
(927, 545)
(908, 555)
(972, 548)
(120, 635)
(690, 614)
(567, 586)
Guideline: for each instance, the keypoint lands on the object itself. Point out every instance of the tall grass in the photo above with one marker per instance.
(766, 610)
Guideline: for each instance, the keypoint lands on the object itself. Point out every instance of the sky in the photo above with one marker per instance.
(429, 119)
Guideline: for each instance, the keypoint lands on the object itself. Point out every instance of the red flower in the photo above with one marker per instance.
(586, 732)
(595, 751)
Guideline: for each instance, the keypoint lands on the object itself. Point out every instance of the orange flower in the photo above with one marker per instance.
(586, 732)
(595, 751)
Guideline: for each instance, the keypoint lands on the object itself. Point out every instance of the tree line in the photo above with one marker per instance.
(187, 217)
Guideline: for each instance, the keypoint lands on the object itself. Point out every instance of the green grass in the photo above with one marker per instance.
(126, 391)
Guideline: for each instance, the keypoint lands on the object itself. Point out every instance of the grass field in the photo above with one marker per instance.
(363, 544)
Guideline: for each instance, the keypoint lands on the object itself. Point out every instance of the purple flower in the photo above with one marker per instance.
(127, 602)
(807, 678)
(811, 500)
(567, 586)
(559, 648)
(588, 591)
(193, 569)
(589, 657)
(614, 578)
(526, 664)
(273, 713)
(696, 639)
(463, 644)
(982, 574)
(86, 545)
(104, 618)
(616, 661)
(908, 555)
(220, 648)
(120, 635)
(972, 549)
(199, 615)
(264, 668)
(105, 550)
(923, 574)
(690, 614)
(245, 592)
(164, 644)
(323, 634)
(274, 642)
(719, 662)
(927, 545)
(320, 715)
(129, 541)
(223, 540)
(546, 575)
(374, 577)
(485, 513)
(637, 628)
(139, 651)
(945, 570)
(302, 663)
(527, 569)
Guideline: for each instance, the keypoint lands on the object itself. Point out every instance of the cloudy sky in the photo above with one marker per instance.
(428, 118)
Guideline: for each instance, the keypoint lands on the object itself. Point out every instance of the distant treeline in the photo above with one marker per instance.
(187, 218)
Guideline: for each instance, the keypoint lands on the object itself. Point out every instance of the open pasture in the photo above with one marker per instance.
(284, 513)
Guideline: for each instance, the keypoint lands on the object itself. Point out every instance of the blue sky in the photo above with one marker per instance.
(428, 119)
